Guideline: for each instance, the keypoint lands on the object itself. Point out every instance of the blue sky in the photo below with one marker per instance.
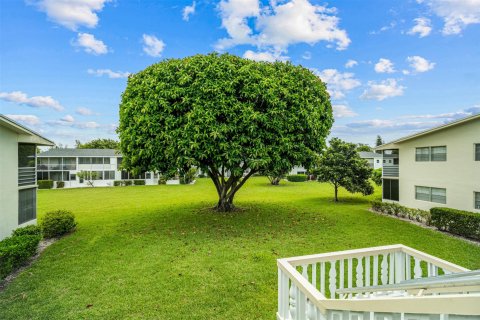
(392, 67)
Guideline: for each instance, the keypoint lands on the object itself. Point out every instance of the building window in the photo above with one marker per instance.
(477, 200)
(84, 160)
(106, 160)
(378, 161)
(422, 154)
(109, 175)
(97, 160)
(73, 177)
(477, 151)
(390, 189)
(27, 205)
(439, 153)
(438, 195)
(26, 155)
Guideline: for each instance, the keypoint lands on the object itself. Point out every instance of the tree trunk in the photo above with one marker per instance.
(227, 188)
(336, 193)
(225, 204)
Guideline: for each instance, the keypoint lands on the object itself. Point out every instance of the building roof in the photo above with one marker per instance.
(392, 144)
(70, 152)
(26, 135)
(367, 155)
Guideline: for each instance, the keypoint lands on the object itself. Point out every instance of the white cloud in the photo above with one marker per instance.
(264, 56)
(188, 11)
(384, 66)
(343, 111)
(420, 64)
(35, 102)
(456, 14)
(377, 124)
(25, 118)
(68, 118)
(90, 44)
(391, 25)
(422, 27)
(84, 111)
(88, 125)
(338, 83)
(152, 45)
(449, 116)
(383, 90)
(111, 74)
(279, 24)
(351, 63)
(72, 13)
(307, 55)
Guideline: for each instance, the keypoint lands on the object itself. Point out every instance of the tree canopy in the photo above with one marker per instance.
(98, 144)
(379, 141)
(228, 116)
(342, 166)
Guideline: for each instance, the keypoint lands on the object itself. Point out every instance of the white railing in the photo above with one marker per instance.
(322, 286)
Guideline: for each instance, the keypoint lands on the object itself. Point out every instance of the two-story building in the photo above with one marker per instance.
(18, 184)
(374, 159)
(439, 167)
(63, 164)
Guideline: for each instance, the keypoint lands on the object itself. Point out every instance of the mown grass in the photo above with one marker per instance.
(159, 252)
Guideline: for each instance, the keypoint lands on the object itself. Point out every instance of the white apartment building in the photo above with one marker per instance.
(64, 164)
(439, 167)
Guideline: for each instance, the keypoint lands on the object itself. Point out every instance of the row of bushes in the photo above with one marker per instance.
(17, 249)
(463, 223)
(401, 211)
(119, 183)
(48, 184)
(297, 177)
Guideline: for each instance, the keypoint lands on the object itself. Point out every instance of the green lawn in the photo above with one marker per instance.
(159, 252)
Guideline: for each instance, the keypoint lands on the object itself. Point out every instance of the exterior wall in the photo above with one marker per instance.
(298, 170)
(9, 182)
(377, 162)
(459, 175)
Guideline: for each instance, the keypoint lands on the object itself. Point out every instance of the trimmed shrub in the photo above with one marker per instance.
(462, 223)
(60, 184)
(162, 180)
(31, 230)
(397, 210)
(45, 184)
(15, 251)
(57, 223)
(127, 182)
(297, 177)
(118, 183)
(139, 182)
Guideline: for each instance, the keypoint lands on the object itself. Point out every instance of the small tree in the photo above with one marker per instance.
(228, 116)
(98, 144)
(275, 177)
(377, 176)
(379, 141)
(363, 147)
(88, 176)
(341, 166)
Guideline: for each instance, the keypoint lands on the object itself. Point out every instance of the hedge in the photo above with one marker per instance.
(60, 184)
(118, 183)
(139, 182)
(162, 180)
(15, 251)
(31, 230)
(127, 182)
(297, 178)
(394, 209)
(45, 184)
(57, 223)
(462, 223)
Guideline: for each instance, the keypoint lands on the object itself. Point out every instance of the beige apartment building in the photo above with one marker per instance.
(439, 167)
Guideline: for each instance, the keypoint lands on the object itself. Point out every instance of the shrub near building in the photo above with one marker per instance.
(297, 178)
(45, 184)
(463, 223)
(57, 223)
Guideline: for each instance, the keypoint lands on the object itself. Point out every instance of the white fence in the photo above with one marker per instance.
(366, 284)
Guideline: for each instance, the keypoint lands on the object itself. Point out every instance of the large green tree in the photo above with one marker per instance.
(341, 166)
(98, 144)
(228, 116)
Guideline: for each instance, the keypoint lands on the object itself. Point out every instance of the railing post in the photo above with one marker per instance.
(283, 295)
(399, 266)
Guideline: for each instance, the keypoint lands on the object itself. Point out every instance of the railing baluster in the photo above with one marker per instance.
(417, 269)
(283, 294)
(408, 267)
(375, 270)
(314, 274)
(305, 271)
(384, 268)
(301, 302)
(333, 279)
(399, 267)
(322, 278)
(367, 271)
(342, 274)
(350, 273)
(391, 269)
(359, 271)
(292, 301)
